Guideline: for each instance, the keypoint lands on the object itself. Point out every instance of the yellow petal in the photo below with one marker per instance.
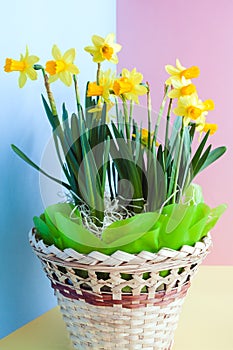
(125, 73)
(180, 111)
(32, 74)
(114, 59)
(97, 40)
(98, 58)
(116, 47)
(56, 53)
(26, 53)
(178, 65)
(66, 78)
(140, 90)
(175, 93)
(90, 49)
(110, 38)
(32, 59)
(133, 97)
(73, 69)
(69, 56)
(171, 70)
(53, 78)
(22, 79)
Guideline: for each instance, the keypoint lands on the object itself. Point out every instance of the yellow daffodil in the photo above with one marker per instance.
(200, 123)
(176, 73)
(102, 89)
(208, 105)
(104, 49)
(144, 137)
(24, 66)
(62, 67)
(98, 110)
(182, 87)
(212, 127)
(190, 108)
(129, 85)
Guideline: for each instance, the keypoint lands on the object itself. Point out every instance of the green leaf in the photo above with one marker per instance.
(54, 121)
(64, 113)
(213, 156)
(199, 150)
(31, 163)
(201, 161)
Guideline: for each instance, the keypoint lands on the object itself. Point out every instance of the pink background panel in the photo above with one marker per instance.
(154, 33)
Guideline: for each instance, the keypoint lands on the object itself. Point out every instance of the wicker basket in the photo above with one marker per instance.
(122, 301)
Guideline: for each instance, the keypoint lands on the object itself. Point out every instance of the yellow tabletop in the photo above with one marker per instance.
(206, 321)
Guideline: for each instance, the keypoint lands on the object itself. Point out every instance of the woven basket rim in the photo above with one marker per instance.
(121, 259)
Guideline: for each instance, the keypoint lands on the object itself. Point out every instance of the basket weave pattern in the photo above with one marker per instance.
(122, 301)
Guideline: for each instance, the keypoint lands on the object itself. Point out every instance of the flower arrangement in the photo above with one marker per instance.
(126, 189)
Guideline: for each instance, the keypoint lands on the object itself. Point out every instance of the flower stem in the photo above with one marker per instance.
(98, 73)
(49, 93)
(77, 95)
(126, 115)
(149, 115)
(98, 78)
(178, 162)
(160, 113)
(131, 113)
(167, 128)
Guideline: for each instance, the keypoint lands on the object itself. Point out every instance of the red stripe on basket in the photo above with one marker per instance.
(127, 301)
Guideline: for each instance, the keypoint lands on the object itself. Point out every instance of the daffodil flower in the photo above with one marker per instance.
(208, 105)
(62, 67)
(24, 66)
(104, 49)
(176, 73)
(209, 126)
(190, 107)
(182, 87)
(129, 85)
(102, 89)
(144, 137)
(99, 107)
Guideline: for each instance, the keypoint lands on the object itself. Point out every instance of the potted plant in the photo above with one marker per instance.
(121, 250)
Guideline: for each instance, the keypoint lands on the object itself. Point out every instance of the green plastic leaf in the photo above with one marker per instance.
(135, 226)
(44, 230)
(193, 194)
(177, 225)
(75, 236)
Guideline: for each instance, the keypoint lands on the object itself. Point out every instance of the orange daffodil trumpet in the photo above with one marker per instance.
(24, 66)
(179, 72)
(106, 80)
(104, 49)
(129, 85)
(62, 67)
(189, 106)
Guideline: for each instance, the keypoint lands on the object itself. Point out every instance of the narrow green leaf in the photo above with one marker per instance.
(54, 121)
(199, 150)
(201, 161)
(213, 156)
(31, 163)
